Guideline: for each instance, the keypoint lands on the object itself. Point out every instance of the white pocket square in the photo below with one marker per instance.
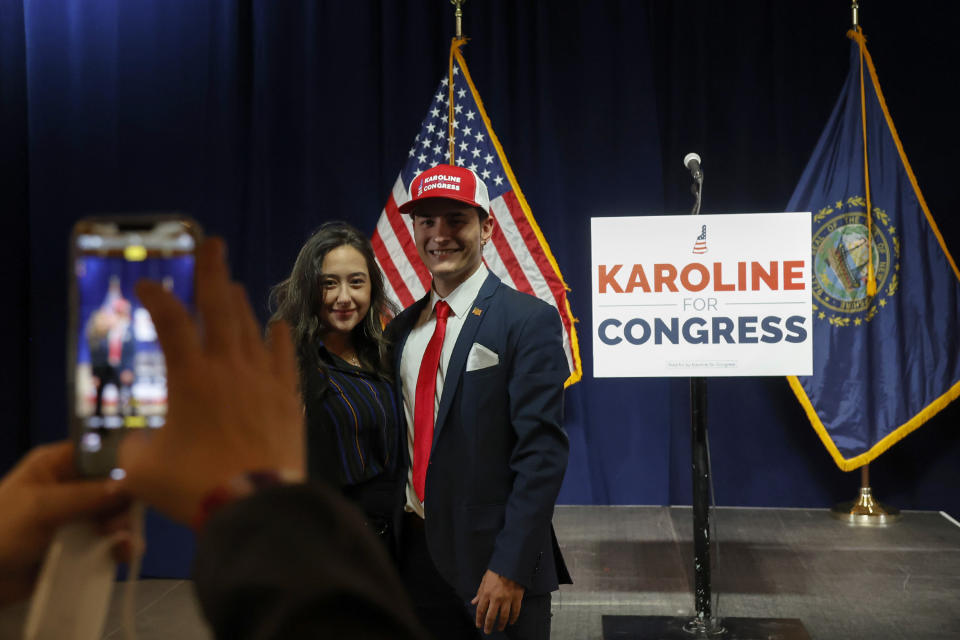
(481, 357)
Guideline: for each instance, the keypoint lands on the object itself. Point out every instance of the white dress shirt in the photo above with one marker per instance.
(460, 301)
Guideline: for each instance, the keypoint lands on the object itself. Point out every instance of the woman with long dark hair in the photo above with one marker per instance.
(333, 301)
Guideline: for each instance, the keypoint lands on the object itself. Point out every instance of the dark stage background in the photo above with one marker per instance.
(264, 119)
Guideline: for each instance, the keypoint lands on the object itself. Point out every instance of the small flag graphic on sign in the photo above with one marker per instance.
(700, 246)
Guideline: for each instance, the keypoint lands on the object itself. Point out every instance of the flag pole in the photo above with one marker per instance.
(864, 510)
(455, 45)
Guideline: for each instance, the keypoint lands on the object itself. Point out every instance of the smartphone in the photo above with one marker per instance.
(116, 375)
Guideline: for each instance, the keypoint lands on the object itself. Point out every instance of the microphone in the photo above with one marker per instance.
(692, 162)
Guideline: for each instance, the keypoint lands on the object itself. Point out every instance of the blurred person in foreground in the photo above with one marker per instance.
(275, 558)
(333, 301)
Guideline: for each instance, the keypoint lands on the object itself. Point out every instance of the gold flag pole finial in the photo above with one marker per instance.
(854, 8)
(458, 15)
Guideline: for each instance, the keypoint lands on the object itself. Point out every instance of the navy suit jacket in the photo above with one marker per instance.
(499, 450)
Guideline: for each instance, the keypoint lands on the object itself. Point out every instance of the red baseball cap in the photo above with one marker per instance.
(448, 181)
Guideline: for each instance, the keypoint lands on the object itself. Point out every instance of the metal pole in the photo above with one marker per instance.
(702, 625)
(855, 10)
(701, 503)
(700, 466)
(458, 40)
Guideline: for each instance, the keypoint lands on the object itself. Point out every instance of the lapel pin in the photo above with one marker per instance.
(477, 311)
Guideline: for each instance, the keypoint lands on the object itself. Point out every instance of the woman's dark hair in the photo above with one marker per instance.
(298, 298)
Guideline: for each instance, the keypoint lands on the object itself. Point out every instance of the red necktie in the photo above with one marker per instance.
(425, 400)
(114, 347)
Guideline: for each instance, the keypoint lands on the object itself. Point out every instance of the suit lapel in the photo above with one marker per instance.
(458, 359)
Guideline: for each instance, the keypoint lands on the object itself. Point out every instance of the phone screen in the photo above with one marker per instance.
(119, 378)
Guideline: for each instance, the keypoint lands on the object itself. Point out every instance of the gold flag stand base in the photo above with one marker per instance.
(865, 510)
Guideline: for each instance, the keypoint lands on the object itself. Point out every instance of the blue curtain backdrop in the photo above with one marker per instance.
(264, 119)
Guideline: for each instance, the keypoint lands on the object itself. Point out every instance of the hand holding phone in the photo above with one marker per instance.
(233, 406)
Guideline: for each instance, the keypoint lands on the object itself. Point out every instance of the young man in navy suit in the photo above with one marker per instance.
(481, 368)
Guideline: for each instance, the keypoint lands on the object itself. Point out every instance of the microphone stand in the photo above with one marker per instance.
(703, 625)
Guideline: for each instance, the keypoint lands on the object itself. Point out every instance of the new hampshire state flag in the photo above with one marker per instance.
(886, 292)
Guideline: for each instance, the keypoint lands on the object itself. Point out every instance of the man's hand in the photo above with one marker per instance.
(498, 602)
(233, 403)
(38, 495)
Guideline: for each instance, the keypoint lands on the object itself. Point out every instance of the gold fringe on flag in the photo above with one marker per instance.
(871, 277)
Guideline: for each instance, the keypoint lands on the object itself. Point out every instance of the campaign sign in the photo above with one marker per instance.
(708, 295)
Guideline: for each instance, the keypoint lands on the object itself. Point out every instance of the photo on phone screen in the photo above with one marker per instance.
(119, 378)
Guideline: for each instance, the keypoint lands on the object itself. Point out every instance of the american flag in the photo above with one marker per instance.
(700, 246)
(518, 253)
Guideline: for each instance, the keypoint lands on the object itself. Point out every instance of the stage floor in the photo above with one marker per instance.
(841, 582)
